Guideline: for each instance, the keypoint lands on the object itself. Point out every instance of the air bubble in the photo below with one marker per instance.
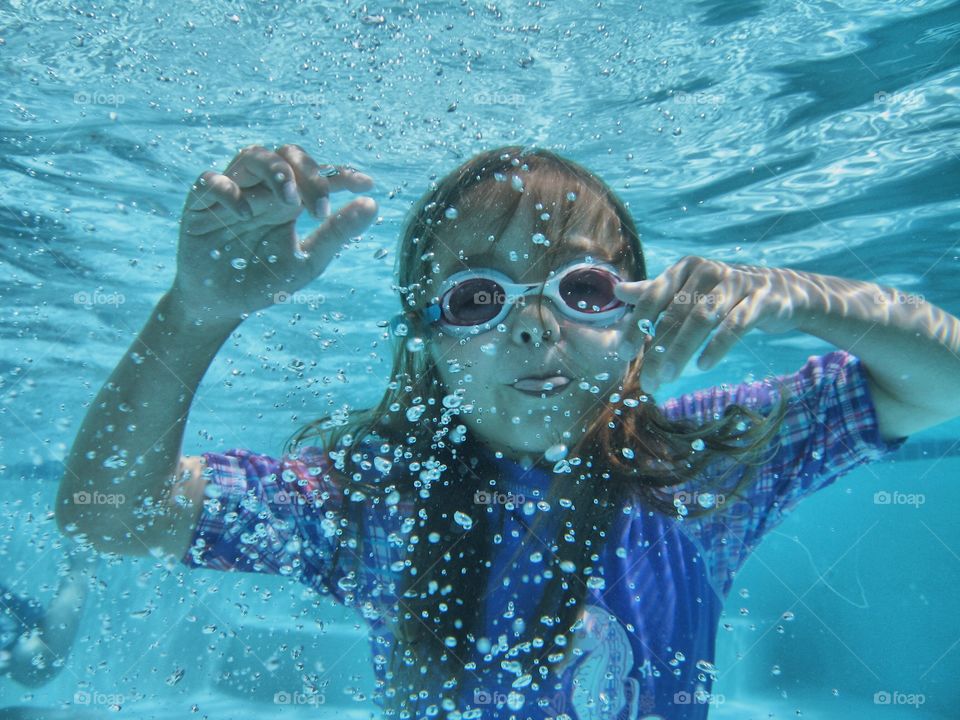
(238, 264)
(556, 452)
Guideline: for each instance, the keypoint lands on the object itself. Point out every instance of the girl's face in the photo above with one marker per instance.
(487, 364)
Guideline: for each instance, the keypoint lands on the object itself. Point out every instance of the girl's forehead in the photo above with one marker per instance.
(519, 249)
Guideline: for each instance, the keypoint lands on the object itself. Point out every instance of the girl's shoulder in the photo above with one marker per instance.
(837, 368)
(374, 461)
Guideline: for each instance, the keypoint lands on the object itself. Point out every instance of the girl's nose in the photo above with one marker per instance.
(526, 322)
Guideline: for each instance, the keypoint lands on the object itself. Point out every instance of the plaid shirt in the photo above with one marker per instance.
(665, 578)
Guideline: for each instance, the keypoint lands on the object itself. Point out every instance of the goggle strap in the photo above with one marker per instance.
(432, 313)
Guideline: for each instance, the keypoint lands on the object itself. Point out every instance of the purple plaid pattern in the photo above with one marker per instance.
(288, 516)
(830, 428)
(285, 516)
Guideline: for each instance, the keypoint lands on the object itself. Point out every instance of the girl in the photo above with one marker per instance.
(526, 532)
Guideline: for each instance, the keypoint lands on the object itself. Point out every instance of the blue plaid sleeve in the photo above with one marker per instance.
(290, 516)
(830, 428)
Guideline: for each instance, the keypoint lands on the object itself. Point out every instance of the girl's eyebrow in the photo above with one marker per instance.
(574, 246)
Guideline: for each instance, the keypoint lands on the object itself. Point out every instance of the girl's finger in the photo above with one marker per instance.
(734, 326)
(649, 298)
(701, 313)
(261, 207)
(255, 164)
(212, 188)
(313, 185)
(347, 178)
(320, 247)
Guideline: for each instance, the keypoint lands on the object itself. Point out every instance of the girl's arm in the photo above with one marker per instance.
(113, 471)
(910, 348)
(56, 631)
(126, 487)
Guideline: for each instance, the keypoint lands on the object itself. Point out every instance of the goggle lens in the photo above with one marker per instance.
(475, 301)
(589, 291)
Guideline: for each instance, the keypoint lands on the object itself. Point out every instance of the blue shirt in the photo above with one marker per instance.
(646, 648)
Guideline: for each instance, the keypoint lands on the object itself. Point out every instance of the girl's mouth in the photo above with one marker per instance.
(542, 386)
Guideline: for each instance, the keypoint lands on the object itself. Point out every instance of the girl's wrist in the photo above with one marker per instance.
(175, 312)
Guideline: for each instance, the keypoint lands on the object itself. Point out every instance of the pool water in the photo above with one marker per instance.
(819, 136)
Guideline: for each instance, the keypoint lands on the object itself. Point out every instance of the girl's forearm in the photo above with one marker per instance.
(912, 347)
(128, 447)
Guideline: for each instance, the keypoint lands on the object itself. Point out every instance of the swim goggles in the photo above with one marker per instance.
(477, 300)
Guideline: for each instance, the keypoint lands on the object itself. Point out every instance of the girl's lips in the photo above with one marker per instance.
(542, 386)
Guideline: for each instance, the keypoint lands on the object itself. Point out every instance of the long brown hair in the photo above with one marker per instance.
(433, 630)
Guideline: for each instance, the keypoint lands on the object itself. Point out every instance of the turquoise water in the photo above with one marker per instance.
(818, 136)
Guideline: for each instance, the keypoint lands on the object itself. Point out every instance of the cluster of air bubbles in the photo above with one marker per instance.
(706, 500)
(555, 453)
(463, 520)
(414, 412)
(453, 400)
(540, 239)
(708, 668)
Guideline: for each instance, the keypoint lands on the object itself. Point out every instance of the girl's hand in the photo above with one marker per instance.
(697, 296)
(238, 249)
